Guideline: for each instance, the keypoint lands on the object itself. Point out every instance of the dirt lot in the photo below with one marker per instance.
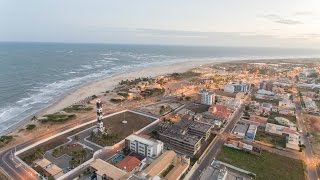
(134, 123)
(313, 125)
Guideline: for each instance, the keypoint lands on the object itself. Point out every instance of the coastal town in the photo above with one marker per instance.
(254, 119)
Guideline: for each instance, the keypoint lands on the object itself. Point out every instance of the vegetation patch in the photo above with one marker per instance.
(104, 139)
(37, 152)
(78, 153)
(277, 141)
(116, 100)
(136, 81)
(57, 117)
(78, 108)
(272, 116)
(30, 127)
(274, 101)
(188, 74)
(5, 140)
(267, 166)
(123, 94)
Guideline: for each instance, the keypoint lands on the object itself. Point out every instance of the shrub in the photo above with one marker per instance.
(30, 127)
(124, 94)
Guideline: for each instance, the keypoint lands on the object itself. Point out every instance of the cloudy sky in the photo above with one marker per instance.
(273, 23)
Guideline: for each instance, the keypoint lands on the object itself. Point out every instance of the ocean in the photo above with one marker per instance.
(34, 75)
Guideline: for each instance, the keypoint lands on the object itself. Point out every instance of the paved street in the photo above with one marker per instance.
(309, 156)
(217, 145)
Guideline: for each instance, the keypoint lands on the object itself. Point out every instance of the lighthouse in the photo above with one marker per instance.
(100, 127)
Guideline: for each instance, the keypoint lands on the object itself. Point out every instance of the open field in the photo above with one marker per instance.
(267, 166)
(117, 130)
(198, 108)
(278, 141)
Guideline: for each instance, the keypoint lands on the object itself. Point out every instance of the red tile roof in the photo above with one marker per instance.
(220, 110)
(128, 163)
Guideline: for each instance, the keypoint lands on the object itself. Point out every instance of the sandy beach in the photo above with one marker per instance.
(97, 87)
(109, 83)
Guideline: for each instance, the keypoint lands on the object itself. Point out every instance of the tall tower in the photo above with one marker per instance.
(100, 126)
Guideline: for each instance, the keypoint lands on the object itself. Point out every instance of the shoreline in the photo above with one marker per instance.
(108, 83)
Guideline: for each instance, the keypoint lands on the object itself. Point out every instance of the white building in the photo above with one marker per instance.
(145, 147)
(237, 87)
(286, 103)
(293, 142)
(207, 97)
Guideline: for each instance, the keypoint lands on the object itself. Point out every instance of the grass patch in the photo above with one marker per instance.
(290, 118)
(56, 118)
(267, 166)
(30, 127)
(184, 75)
(5, 140)
(123, 94)
(274, 101)
(278, 141)
(104, 139)
(78, 108)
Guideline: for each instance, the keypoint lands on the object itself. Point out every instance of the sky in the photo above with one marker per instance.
(255, 23)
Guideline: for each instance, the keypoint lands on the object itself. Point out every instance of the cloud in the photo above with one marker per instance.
(303, 13)
(287, 21)
(281, 20)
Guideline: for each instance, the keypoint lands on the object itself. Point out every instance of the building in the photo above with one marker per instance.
(104, 170)
(264, 94)
(185, 136)
(237, 87)
(286, 103)
(218, 170)
(130, 162)
(279, 129)
(309, 73)
(240, 130)
(266, 85)
(49, 168)
(220, 110)
(207, 97)
(238, 145)
(293, 142)
(144, 147)
(169, 158)
(251, 132)
(309, 104)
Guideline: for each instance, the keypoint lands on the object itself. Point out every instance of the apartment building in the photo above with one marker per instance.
(145, 147)
(185, 136)
(207, 97)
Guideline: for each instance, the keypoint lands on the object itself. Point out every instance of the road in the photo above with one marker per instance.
(14, 168)
(217, 144)
(309, 156)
